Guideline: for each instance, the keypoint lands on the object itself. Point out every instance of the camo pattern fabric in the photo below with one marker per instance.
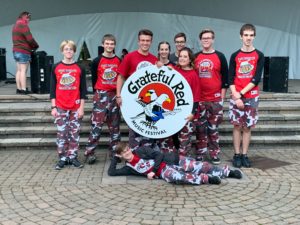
(190, 171)
(207, 128)
(247, 117)
(185, 139)
(68, 128)
(167, 144)
(105, 109)
(136, 140)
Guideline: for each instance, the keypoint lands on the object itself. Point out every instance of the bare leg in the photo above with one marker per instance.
(236, 135)
(246, 139)
(23, 73)
(18, 75)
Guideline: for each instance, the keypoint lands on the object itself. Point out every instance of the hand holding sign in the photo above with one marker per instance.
(156, 101)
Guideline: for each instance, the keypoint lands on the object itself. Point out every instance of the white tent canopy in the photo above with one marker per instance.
(277, 24)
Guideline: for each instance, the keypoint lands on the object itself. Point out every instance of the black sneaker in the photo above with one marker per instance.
(235, 174)
(245, 161)
(18, 91)
(199, 158)
(60, 164)
(91, 159)
(237, 162)
(74, 162)
(22, 92)
(214, 180)
(215, 160)
(27, 92)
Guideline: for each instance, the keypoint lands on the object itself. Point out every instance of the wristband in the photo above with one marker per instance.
(53, 107)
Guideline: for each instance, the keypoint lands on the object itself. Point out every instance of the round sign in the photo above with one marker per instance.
(156, 101)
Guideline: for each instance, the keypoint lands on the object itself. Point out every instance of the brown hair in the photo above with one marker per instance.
(109, 37)
(163, 42)
(247, 26)
(204, 31)
(145, 32)
(191, 55)
(181, 34)
(25, 13)
(121, 146)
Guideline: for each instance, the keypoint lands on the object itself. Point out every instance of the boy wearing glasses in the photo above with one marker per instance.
(212, 69)
(180, 41)
(169, 166)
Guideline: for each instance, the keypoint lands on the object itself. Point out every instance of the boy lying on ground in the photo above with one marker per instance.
(168, 166)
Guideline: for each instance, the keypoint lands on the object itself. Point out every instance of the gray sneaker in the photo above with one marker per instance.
(215, 160)
(91, 159)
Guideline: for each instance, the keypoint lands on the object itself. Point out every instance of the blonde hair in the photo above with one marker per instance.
(67, 42)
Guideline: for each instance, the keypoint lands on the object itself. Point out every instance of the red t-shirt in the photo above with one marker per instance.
(67, 89)
(246, 67)
(212, 70)
(107, 73)
(193, 80)
(134, 61)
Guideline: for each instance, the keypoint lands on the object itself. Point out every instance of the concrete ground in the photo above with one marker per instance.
(32, 192)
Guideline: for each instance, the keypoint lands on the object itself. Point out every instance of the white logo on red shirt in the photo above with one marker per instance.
(205, 68)
(245, 67)
(143, 64)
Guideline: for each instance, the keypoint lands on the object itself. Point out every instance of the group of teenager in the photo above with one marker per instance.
(170, 158)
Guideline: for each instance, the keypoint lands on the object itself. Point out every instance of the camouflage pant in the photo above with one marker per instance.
(167, 144)
(185, 139)
(136, 140)
(105, 109)
(207, 128)
(246, 117)
(188, 171)
(68, 128)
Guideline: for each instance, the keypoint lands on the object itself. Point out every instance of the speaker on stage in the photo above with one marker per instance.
(3, 64)
(276, 74)
(40, 72)
(100, 50)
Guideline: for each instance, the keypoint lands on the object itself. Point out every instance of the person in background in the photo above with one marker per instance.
(245, 70)
(164, 50)
(124, 52)
(67, 94)
(23, 45)
(168, 144)
(180, 42)
(105, 108)
(212, 69)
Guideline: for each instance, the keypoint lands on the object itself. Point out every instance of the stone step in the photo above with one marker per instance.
(264, 96)
(42, 120)
(50, 131)
(43, 108)
(226, 141)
